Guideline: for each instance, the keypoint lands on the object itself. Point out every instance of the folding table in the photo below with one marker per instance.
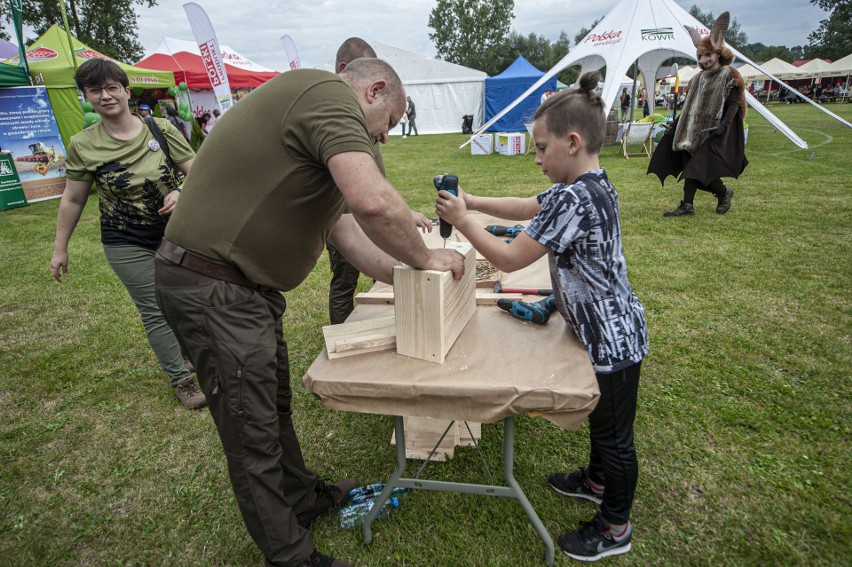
(486, 378)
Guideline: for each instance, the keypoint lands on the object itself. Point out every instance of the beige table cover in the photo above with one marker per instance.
(499, 366)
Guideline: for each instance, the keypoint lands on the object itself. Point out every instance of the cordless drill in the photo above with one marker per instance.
(449, 183)
(537, 312)
(500, 230)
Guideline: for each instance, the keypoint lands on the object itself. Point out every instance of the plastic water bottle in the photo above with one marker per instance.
(365, 493)
(354, 514)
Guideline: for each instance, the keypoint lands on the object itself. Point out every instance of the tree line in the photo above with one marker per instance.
(476, 34)
(473, 33)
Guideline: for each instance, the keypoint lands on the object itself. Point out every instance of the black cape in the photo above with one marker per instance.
(719, 156)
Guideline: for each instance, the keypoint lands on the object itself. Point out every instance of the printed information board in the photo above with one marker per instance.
(28, 130)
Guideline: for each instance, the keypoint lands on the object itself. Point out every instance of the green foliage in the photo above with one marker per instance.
(539, 51)
(833, 38)
(584, 31)
(742, 429)
(471, 32)
(108, 26)
(760, 52)
(196, 135)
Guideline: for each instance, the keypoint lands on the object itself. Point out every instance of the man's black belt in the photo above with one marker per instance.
(179, 256)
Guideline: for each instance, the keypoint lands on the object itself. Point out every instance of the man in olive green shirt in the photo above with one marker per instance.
(270, 187)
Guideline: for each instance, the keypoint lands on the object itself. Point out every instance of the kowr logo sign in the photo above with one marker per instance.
(655, 34)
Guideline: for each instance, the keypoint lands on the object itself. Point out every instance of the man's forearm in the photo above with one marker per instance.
(391, 229)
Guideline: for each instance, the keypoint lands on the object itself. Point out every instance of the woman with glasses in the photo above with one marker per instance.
(137, 191)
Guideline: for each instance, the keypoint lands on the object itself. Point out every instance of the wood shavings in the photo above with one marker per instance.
(485, 270)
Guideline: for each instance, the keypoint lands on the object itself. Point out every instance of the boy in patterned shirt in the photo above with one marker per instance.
(576, 222)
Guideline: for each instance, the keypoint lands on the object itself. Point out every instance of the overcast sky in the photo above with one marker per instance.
(319, 26)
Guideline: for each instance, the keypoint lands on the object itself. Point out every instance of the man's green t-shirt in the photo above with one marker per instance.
(132, 178)
(260, 195)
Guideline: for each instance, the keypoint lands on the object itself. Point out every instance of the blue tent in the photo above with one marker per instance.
(501, 90)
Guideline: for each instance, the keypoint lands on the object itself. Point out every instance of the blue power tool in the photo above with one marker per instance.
(537, 312)
(449, 183)
(500, 230)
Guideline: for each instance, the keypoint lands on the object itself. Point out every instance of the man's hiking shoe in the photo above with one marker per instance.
(328, 496)
(189, 394)
(725, 201)
(187, 363)
(594, 540)
(682, 209)
(574, 484)
(317, 559)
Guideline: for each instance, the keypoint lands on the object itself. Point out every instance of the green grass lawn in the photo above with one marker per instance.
(743, 427)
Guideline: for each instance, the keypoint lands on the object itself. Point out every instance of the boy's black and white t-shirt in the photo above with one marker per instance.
(580, 225)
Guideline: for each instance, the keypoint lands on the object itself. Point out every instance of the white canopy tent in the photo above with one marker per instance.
(781, 69)
(840, 68)
(443, 92)
(651, 31)
(815, 67)
(750, 73)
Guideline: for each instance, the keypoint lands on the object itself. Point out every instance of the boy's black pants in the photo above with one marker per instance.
(612, 460)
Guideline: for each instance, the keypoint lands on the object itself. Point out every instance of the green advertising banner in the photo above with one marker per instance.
(11, 191)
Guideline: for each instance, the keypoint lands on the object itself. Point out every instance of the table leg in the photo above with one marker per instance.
(399, 431)
(508, 472)
(513, 490)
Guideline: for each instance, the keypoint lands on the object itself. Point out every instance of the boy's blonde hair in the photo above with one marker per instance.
(578, 110)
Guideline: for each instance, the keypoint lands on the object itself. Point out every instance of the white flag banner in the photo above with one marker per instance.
(211, 55)
(292, 55)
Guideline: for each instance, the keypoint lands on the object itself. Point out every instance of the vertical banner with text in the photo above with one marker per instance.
(16, 10)
(292, 54)
(211, 55)
(28, 130)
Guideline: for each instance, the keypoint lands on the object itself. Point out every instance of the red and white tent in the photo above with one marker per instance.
(183, 58)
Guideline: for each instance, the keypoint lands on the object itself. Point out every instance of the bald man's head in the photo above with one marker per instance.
(380, 94)
(351, 49)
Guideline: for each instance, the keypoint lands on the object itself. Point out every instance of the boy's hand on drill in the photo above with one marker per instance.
(451, 208)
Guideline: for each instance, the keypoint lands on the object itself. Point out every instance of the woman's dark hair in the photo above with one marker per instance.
(580, 110)
(97, 72)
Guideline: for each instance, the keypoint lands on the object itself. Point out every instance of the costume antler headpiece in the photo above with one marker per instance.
(715, 42)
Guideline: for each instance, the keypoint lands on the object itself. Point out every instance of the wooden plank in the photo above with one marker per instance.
(432, 308)
(359, 337)
(366, 344)
(374, 298)
(487, 298)
(483, 297)
(421, 435)
(465, 439)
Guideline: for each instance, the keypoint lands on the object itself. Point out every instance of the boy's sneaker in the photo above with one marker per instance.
(594, 541)
(328, 496)
(317, 559)
(189, 395)
(575, 484)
